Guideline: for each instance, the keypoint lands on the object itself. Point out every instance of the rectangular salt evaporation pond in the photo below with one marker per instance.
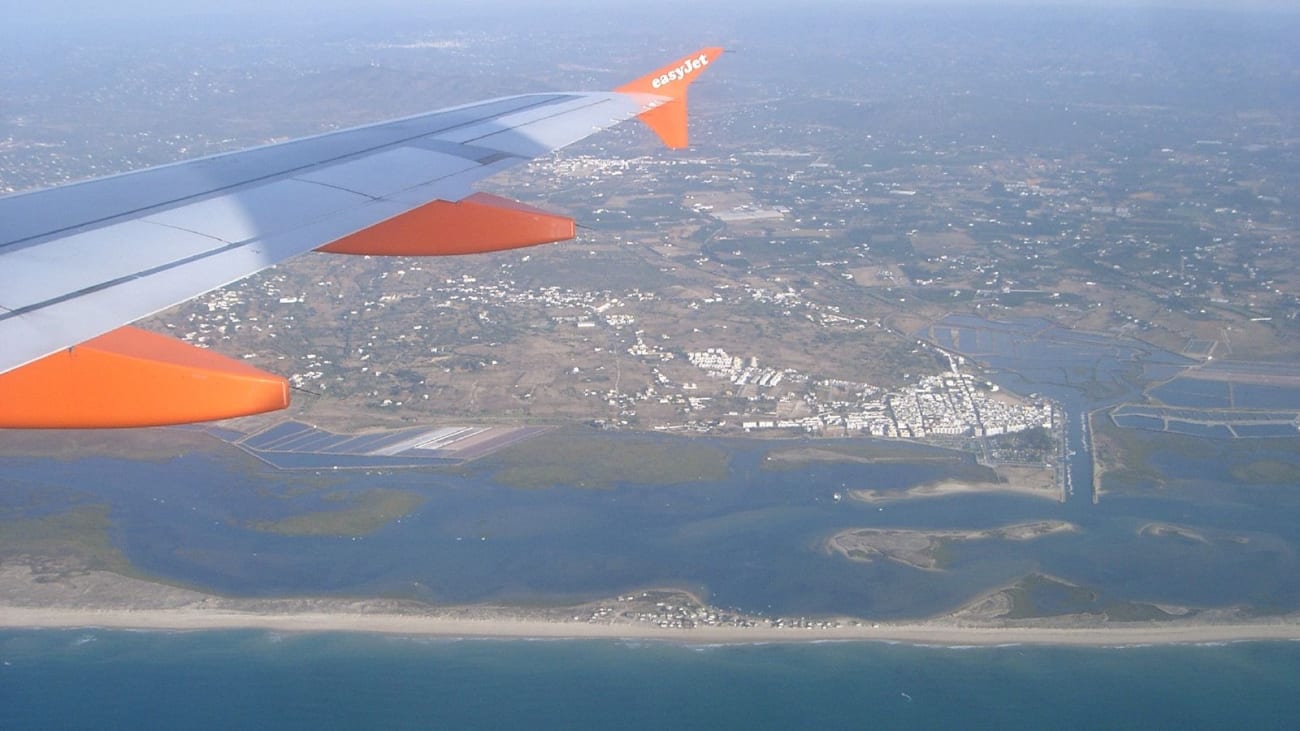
(269, 438)
(323, 461)
(373, 443)
(1140, 421)
(312, 441)
(1218, 431)
(293, 445)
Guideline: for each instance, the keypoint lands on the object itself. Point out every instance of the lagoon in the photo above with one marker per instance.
(752, 538)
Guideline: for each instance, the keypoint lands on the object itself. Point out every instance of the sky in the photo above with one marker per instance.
(68, 9)
(24, 18)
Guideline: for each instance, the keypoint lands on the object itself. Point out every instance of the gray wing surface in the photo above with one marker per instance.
(82, 259)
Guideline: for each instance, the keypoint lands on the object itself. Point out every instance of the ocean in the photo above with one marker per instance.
(751, 541)
(97, 679)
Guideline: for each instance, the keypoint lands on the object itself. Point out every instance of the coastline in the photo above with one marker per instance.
(63, 597)
(921, 633)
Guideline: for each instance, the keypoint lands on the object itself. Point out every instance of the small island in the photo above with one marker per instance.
(1028, 481)
(1168, 530)
(920, 548)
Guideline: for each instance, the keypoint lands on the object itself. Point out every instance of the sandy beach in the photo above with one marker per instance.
(30, 599)
(1025, 481)
(930, 633)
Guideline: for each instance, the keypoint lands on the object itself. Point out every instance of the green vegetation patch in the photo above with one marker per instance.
(930, 550)
(1043, 596)
(81, 534)
(798, 455)
(1129, 457)
(364, 514)
(1037, 596)
(600, 460)
(142, 445)
(1267, 472)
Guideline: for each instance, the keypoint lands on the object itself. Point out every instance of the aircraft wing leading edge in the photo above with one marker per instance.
(80, 261)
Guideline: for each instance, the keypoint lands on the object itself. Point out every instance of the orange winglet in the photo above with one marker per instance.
(131, 377)
(668, 118)
(481, 222)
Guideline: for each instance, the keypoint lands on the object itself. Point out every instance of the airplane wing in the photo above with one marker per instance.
(80, 261)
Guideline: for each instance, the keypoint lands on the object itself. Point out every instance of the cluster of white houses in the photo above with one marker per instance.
(949, 404)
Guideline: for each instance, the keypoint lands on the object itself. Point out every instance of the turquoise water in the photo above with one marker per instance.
(220, 680)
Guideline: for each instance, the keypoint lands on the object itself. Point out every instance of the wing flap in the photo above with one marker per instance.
(389, 171)
(258, 212)
(40, 274)
(37, 331)
(42, 214)
(541, 130)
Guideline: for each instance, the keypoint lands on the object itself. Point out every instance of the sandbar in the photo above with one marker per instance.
(927, 633)
(1169, 530)
(1026, 481)
(173, 609)
(919, 548)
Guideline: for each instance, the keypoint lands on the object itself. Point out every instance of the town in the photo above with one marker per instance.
(718, 393)
(775, 278)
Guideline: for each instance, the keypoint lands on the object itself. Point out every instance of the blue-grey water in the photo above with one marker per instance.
(220, 680)
(1081, 372)
(754, 540)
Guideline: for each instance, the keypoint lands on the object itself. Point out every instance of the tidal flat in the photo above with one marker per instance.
(706, 516)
